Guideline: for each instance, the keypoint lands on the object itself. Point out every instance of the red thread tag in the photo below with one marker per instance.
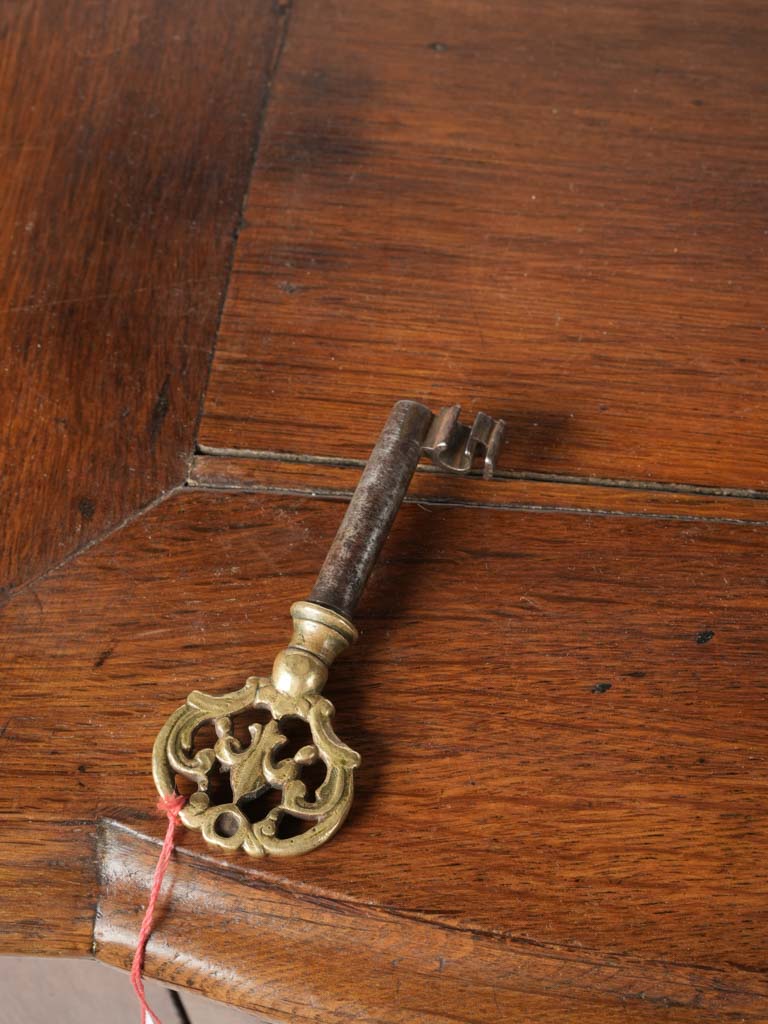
(170, 805)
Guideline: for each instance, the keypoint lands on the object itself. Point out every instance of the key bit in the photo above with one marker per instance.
(453, 447)
(322, 629)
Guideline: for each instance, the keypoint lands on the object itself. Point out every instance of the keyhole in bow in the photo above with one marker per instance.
(226, 824)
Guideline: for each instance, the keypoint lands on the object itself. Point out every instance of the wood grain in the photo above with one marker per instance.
(562, 723)
(297, 956)
(127, 135)
(551, 212)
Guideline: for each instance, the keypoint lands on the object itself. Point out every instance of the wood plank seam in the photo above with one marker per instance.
(334, 495)
(501, 474)
(282, 9)
(335, 479)
(9, 592)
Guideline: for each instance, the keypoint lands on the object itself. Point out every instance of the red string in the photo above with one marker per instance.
(170, 805)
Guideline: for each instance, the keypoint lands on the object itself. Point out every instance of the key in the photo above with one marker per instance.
(322, 629)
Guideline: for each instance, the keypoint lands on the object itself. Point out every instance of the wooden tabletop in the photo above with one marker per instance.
(553, 214)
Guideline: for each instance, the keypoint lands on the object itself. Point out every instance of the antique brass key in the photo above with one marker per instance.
(322, 629)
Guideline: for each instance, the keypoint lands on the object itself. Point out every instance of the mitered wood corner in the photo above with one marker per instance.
(126, 141)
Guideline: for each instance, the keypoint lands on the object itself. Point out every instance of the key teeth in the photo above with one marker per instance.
(454, 447)
(492, 448)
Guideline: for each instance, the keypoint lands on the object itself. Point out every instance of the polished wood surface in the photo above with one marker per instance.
(126, 142)
(552, 212)
(315, 959)
(562, 739)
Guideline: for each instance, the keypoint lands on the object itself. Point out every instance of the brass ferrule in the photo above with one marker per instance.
(319, 637)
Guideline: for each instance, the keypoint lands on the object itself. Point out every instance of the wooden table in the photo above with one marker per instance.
(552, 212)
